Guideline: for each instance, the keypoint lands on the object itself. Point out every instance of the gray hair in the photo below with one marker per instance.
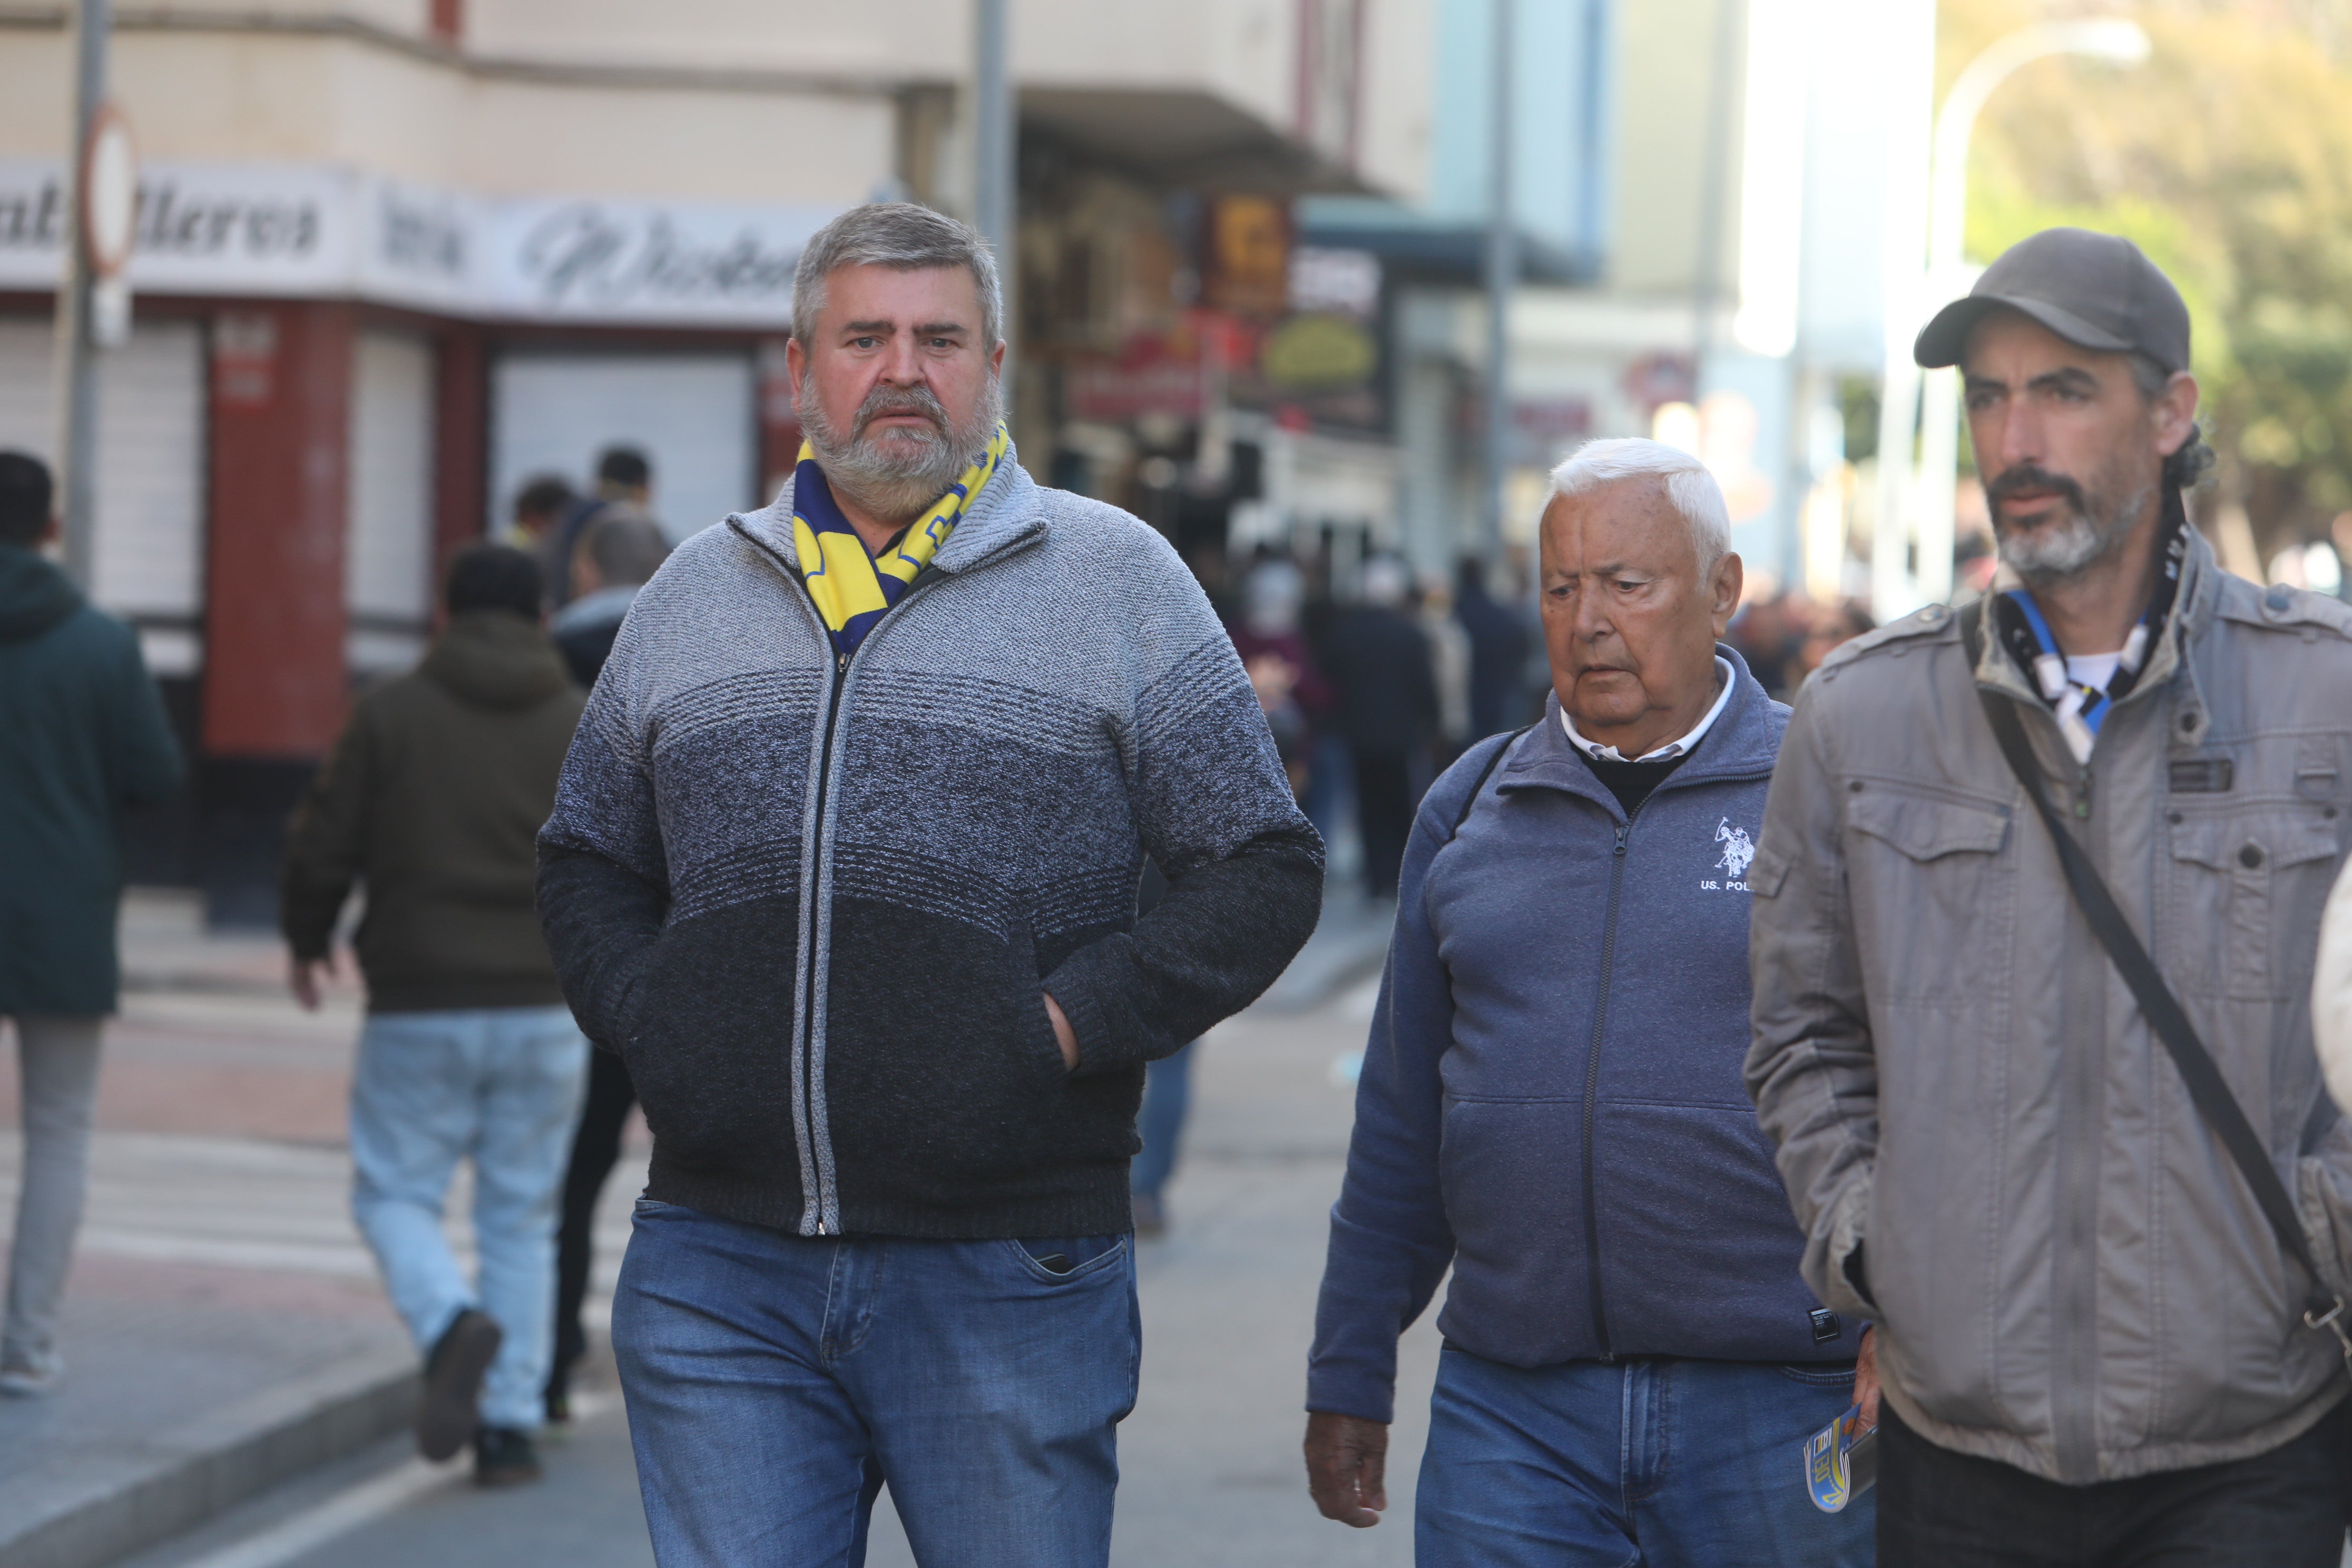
(899, 235)
(1690, 487)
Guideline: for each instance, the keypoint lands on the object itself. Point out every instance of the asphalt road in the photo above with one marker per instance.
(1210, 1458)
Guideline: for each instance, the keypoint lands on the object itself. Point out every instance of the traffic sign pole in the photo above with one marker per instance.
(77, 377)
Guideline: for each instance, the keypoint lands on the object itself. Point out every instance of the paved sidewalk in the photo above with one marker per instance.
(224, 1326)
(225, 1329)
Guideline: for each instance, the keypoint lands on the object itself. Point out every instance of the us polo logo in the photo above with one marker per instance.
(1739, 850)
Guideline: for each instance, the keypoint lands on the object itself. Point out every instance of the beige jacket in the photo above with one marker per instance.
(2331, 992)
(2067, 1273)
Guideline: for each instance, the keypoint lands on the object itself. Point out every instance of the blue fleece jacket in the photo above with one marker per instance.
(1551, 1098)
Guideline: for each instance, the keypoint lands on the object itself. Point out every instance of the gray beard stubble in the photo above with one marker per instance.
(916, 468)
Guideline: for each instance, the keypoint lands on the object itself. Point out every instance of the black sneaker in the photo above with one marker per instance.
(450, 1409)
(504, 1457)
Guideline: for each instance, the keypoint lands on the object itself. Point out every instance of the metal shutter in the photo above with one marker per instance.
(388, 550)
(149, 562)
(693, 416)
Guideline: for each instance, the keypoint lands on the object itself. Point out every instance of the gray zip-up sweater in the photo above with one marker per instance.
(817, 902)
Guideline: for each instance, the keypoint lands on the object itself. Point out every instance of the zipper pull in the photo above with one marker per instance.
(1620, 850)
(2083, 797)
(841, 664)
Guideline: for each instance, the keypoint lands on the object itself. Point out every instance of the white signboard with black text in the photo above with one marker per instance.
(312, 231)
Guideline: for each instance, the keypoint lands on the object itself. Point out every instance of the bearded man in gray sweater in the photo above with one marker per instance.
(844, 865)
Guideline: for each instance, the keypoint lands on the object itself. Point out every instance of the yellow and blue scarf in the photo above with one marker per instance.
(851, 588)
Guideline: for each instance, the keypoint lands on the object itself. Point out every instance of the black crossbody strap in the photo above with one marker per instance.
(1483, 774)
(2207, 1088)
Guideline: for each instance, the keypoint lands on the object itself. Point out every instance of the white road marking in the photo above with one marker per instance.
(357, 1505)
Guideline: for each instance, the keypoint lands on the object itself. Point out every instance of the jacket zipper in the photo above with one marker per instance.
(1592, 1070)
(806, 1110)
(825, 1198)
(1593, 1088)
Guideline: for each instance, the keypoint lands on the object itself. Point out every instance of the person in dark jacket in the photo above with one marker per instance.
(1388, 710)
(1551, 1103)
(619, 556)
(431, 801)
(845, 866)
(1499, 646)
(625, 483)
(82, 738)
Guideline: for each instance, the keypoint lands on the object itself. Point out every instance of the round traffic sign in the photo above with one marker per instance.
(109, 192)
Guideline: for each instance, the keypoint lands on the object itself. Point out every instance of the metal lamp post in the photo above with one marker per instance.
(2105, 38)
(996, 134)
(1502, 279)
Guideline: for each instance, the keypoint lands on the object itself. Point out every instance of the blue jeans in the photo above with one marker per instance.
(1167, 1095)
(501, 1086)
(1669, 1464)
(775, 1382)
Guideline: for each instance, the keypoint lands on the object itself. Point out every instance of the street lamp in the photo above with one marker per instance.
(2105, 38)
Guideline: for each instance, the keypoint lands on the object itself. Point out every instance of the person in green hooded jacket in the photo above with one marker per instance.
(82, 739)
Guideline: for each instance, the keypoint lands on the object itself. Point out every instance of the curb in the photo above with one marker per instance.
(206, 1466)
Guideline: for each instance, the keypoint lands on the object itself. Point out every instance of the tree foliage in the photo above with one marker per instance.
(2227, 156)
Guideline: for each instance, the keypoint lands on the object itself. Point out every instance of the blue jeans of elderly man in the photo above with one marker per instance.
(1551, 1104)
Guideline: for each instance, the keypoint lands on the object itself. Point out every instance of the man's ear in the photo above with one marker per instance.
(2175, 412)
(795, 363)
(1730, 577)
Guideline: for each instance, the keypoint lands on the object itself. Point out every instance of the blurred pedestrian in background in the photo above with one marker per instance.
(1770, 633)
(1166, 1102)
(1271, 638)
(2036, 900)
(540, 509)
(621, 554)
(82, 738)
(1551, 1104)
(863, 924)
(624, 480)
(1499, 648)
(1380, 660)
(1449, 668)
(430, 803)
(1828, 628)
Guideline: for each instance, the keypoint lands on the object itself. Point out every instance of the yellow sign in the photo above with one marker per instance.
(1316, 352)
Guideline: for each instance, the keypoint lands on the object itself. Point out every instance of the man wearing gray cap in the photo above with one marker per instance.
(2036, 898)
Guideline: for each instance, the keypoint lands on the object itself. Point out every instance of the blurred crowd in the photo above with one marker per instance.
(1374, 680)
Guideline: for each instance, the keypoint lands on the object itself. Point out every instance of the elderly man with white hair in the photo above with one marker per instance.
(1551, 1103)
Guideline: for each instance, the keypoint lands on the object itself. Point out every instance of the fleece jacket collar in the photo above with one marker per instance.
(496, 658)
(33, 594)
(1004, 516)
(1742, 743)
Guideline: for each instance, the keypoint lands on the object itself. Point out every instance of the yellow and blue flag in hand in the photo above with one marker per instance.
(852, 588)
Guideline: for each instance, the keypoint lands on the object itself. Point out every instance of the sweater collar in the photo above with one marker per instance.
(1743, 741)
(1005, 515)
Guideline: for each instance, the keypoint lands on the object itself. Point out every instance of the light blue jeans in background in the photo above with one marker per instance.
(501, 1087)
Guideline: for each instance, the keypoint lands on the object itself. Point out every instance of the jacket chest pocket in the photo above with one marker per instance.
(2244, 910)
(1930, 885)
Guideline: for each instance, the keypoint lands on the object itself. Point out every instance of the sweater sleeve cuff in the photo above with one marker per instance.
(1076, 990)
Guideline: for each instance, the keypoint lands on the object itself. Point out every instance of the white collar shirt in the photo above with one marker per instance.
(1672, 749)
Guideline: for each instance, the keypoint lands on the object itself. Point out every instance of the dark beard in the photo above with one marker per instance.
(894, 476)
(2093, 529)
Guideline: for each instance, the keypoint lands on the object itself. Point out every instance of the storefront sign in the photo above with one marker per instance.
(307, 231)
(599, 260)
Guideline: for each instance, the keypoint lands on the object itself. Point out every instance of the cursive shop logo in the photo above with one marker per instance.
(585, 255)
